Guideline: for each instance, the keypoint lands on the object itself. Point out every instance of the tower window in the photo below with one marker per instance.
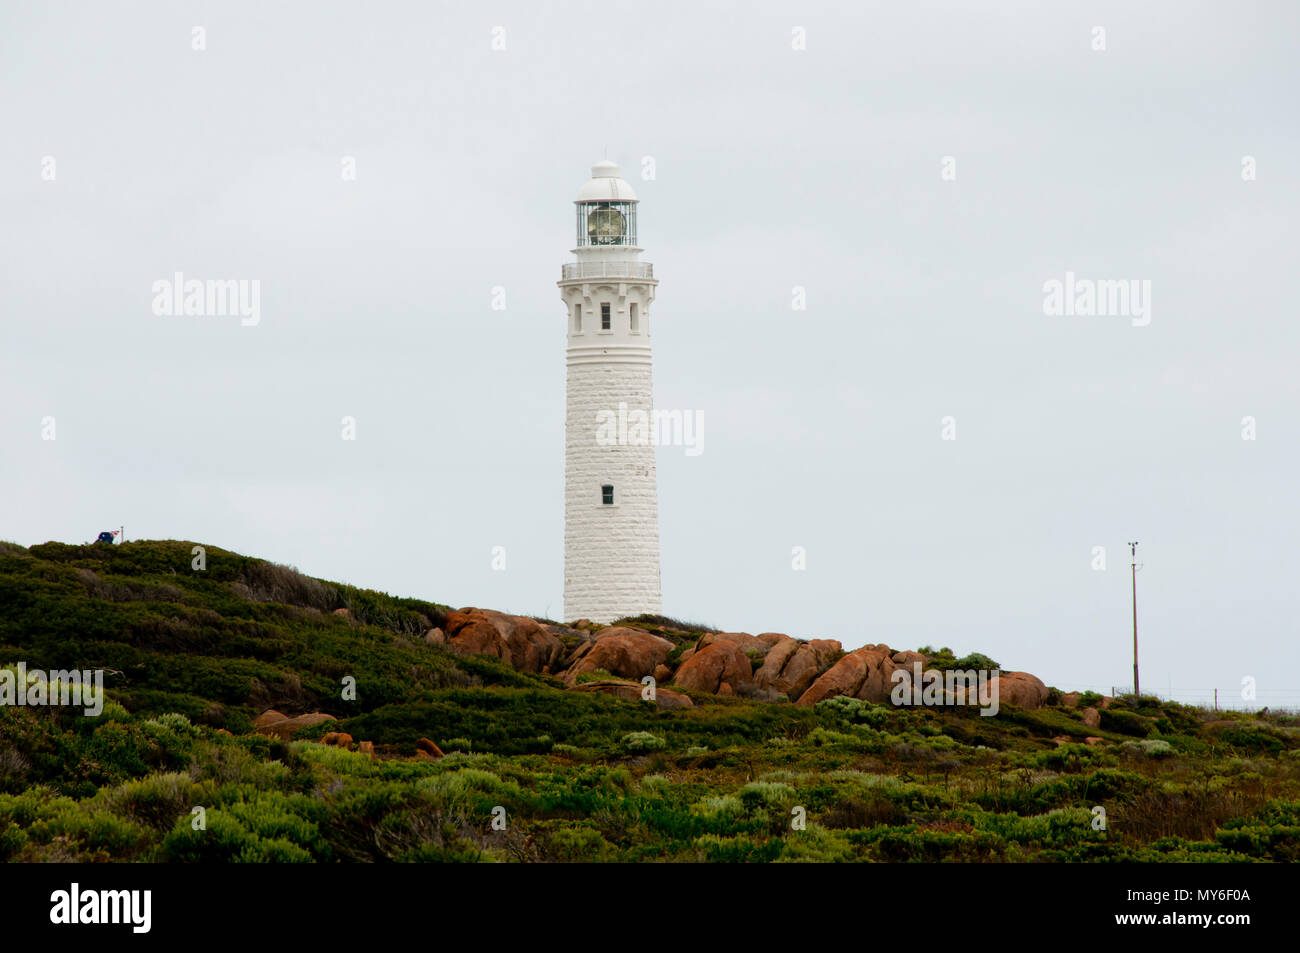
(634, 318)
(604, 315)
(577, 318)
(607, 494)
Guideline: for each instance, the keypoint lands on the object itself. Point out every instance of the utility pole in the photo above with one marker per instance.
(1133, 552)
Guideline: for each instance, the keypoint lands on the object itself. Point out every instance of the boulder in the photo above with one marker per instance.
(1092, 718)
(566, 633)
(863, 673)
(1020, 689)
(268, 717)
(367, 748)
(522, 642)
(1071, 700)
(761, 644)
(627, 653)
(904, 659)
(719, 668)
(582, 649)
(777, 658)
(662, 673)
(771, 638)
(426, 748)
(288, 727)
(791, 666)
(342, 613)
(630, 691)
(1090, 740)
(435, 637)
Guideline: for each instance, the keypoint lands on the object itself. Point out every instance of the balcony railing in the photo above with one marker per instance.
(607, 269)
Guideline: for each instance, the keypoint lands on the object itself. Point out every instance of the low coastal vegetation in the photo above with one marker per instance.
(445, 755)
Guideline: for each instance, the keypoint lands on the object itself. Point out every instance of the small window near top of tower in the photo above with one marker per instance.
(634, 318)
(577, 319)
(607, 494)
(604, 316)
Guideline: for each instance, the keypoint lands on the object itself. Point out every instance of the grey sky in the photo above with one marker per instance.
(774, 168)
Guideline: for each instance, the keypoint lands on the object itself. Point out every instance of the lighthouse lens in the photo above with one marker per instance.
(606, 226)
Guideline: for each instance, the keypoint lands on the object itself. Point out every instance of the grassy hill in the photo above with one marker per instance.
(194, 656)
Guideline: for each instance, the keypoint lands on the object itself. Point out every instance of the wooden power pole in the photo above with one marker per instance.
(1133, 552)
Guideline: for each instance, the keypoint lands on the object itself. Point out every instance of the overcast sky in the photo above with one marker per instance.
(774, 167)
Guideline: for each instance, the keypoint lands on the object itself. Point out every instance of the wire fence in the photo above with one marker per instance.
(1222, 698)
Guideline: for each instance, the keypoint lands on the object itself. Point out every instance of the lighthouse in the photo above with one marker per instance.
(611, 506)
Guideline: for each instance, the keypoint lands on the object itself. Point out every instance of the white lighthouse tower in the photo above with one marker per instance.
(611, 507)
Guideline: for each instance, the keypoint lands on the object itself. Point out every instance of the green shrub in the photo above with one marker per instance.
(766, 794)
(842, 708)
(1280, 844)
(1250, 738)
(1176, 719)
(283, 826)
(725, 806)
(655, 785)
(470, 790)
(155, 801)
(1125, 723)
(667, 622)
(578, 845)
(944, 660)
(941, 658)
(1069, 758)
(977, 661)
(637, 741)
(1149, 747)
(226, 840)
(912, 844)
(816, 845)
(61, 829)
(874, 811)
(738, 849)
(12, 839)
(121, 751)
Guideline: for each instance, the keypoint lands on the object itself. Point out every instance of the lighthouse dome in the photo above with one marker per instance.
(606, 185)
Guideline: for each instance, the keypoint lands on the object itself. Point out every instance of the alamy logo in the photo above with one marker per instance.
(659, 428)
(952, 687)
(1128, 298)
(240, 298)
(67, 688)
(134, 907)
